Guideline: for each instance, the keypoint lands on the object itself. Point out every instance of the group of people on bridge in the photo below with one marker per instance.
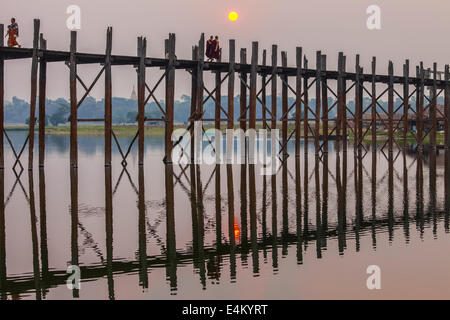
(213, 50)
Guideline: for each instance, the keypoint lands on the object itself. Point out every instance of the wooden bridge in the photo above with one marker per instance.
(253, 79)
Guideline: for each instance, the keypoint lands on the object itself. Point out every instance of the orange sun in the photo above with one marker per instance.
(233, 16)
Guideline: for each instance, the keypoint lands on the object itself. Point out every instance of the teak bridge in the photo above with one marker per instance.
(356, 125)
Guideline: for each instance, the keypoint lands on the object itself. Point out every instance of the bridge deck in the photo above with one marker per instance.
(91, 58)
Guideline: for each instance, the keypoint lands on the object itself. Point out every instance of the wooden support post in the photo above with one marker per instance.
(298, 100)
(340, 105)
(433, 109)
(263, 90)
(33, 98)
(108, 97)
(419, 104)
(2, 176)
(373, 125)
(447, 107)
(200, 87)
(344, 106)
(42, 97)
(274, 86)
(391, 106)
(305, 107)
(231, 62)
(318, 104)
(218, 94)
(358, 116)
(199, 94)
(142, 52)
(323, 65)
(284, 105)
(253, 79)
(170, 98)
(405, 102)
(193, 114)
(2, 100)
(73, 101)
(252, 104)
(243, 93)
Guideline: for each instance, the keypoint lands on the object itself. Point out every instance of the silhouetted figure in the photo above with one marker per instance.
(13, 33)
(217, 51)
(209, 52)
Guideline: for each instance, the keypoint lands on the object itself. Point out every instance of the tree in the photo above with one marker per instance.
(131, 116)
(60, 116)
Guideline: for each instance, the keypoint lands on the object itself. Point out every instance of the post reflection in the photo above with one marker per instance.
(314, 209)
(171, 265)
(74, 222)
(109, 231)
(43, 232)
(142, 230)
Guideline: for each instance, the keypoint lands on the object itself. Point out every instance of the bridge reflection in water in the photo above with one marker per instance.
(238, 218)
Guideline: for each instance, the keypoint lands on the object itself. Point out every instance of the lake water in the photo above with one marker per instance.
(224, 232)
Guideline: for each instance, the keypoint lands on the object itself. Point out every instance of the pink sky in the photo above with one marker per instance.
(413, 29)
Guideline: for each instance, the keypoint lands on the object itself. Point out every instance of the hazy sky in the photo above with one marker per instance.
(414, 29)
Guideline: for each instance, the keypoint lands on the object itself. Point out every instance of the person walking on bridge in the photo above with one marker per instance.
(217, 51)
(210, 49)
(13, 33)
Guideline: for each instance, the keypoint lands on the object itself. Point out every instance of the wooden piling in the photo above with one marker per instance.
(323, 65)
(274, 86)
(199, 75)
(243, 93)
(263, 91)
(42, 97)
(298, 100)
(305, 107)
(231, 63)
(170, 98)
(193, 113)
(318, 104)
(284, 105)
(33, 98)
(447, 107)
(433, 109)
(253, 83)
(373, 125)
(405, 101)
(2, 100)
(252, 103)
(419, 106)
(391, 106)
(73, 101)
(218, 100)
(357, 117)
(344, 107)
(142, 52)
(108, 97)
(340, 105)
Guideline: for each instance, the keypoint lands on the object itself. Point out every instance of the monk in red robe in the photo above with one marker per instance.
(210, 48)
(216, 51)
(13, 33)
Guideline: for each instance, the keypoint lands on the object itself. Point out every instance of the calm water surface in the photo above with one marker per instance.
(224, 232)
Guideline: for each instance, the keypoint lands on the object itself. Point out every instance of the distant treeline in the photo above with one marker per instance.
(125, 110)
